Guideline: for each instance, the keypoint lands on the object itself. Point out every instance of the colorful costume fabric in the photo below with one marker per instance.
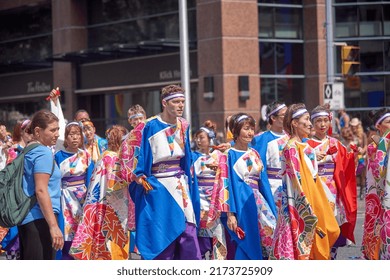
(96, 149)
(306, 226)
(162, 213)
(76, 169)
(254, 207)
(270, 145)
(214, 195)
(128, 156)
(337, 173)
(103, 233)
(9, 239)
(376, 235)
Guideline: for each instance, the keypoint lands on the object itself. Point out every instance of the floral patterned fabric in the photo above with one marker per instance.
(376, 234)
(214, 196)
(102, 233)
(306, 226)
(73, 192)
(252, 203)
(337, 173)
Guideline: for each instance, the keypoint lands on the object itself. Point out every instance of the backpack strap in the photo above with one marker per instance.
(30, 147)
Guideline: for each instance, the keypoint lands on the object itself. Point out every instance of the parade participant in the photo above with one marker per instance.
(76, 167)
(9, 237)
(375, 243)
(39, 234)
(81, 115)
(210, 175)
(362, 142)
(336, 169)
(128, 159)
(102, 233)
(306, 226)
(94, 144)
(167, 207)
(253, 208)
(270, 145)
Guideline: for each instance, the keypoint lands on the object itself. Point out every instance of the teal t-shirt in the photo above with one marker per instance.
(40, 160)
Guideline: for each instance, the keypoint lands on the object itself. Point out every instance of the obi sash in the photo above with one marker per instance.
(274, 173)
(326, 169)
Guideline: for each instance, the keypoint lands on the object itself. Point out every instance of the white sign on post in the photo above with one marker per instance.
(334, 95)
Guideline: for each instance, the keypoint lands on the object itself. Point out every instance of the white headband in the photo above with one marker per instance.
(242, 117)
(277, 109)
(174, 95)
(382, 118)
(72, 123)
(319, 114)
(299, 113)
(138, 115)
(205, 129)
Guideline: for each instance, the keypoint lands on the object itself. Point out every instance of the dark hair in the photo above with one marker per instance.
(167, 90)
(17, 131)
(41, 119)
(135, 109)
(320, 108)
(270, 107)
(288, 116)
(114, 137)
(235, 126)
(80, 111)
(376, 115)
(67, 131)
(210, 125)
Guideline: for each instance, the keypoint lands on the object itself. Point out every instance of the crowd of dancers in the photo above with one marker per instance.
(289, 192)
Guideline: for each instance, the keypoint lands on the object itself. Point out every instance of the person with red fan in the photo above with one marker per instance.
(252, 218)
(336, 167)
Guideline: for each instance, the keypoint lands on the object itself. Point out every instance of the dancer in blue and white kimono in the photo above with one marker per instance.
(255, 209)
(270, 145)
(166, 205)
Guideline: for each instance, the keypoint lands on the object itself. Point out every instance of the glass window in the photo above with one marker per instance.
(371, 56)
(387, 55)
(281, 23)
(386, 19)
(288, 90)
(25, 44)
(370, 20)
(370, 94)
(387, 90)
(281, 58)
(267, 58)
(288, 23)
(346, 18)
(344, 1)
(296, 2)
(36, 20)
(265, 22)
(153, 22)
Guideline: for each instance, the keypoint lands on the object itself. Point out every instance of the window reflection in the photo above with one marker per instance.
(371, 56)
(370, 20)
(346, 18)
(284, 22)
(281, 58)
(288, 90)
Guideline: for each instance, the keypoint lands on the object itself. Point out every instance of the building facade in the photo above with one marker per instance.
(107, 55)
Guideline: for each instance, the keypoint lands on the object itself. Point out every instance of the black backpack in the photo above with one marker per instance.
(14, 203)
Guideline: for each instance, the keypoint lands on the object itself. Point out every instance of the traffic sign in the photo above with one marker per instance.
(334, 95)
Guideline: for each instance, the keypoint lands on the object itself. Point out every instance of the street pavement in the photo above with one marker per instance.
(351, 252)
